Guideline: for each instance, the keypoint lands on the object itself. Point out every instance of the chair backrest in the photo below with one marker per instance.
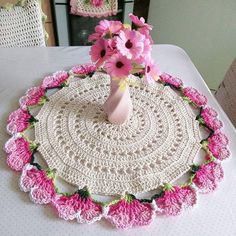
(226, 93)
(22, 26)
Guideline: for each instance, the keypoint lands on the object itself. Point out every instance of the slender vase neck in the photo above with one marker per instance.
(115, 87)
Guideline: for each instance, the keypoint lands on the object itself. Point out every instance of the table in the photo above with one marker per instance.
(23, 68)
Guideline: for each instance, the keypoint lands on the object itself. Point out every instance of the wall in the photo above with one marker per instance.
(205, 29)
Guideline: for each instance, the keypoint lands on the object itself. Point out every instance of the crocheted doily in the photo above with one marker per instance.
(157, 145)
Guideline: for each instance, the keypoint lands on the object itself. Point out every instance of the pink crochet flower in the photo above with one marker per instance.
(96, 3)
(30, 175)
(130, 44)
(33, 97)
(88, 211)
(19, 153)
(18, 121)
(44, 192)
(176, 199)
(218, 151)
(84, 69)
(130, 213)
(213, 123)
(208, 176)
(99, 52)
(218, 138)
(217, 145)
(174, 81)
(105, 28)
(118, 66)
(39, 183)
(195, 96)
(208, 111)
(66, 206)
(55, 80)
(75, 206)
(209, 116)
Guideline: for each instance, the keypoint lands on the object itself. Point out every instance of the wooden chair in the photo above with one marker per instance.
(21, 25)
(226, 93)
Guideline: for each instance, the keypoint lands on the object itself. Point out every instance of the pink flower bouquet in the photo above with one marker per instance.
(121, 51)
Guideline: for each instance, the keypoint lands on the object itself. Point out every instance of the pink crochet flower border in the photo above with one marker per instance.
(126, 211)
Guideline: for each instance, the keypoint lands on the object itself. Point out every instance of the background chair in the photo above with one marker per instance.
(226, 93)
(22, 24)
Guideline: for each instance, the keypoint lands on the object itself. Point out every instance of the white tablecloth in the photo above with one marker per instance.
(21, 69)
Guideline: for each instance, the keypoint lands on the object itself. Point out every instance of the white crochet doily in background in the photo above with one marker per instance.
(157, 145)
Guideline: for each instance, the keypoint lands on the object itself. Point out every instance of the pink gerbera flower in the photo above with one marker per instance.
(118, 66)
(130, 43)
(151, 72)
(105, 28)
(144, 31)
(140, 23)
(100, 52)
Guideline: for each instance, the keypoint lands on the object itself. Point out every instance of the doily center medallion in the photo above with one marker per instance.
(157, 145)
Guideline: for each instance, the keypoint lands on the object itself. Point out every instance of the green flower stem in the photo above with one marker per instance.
(168, 187)
(111, 202)
(129, 197)
(51, 173)
(33, 145)
(43, 100)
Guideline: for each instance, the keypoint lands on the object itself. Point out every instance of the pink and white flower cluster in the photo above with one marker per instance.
(123, 51)
(18, 121)
(217, 145)
(208, 176)
(196, 97)
(19, 152)
(40, 185)
(169, 79)
(32, 97)
(55, 80)
(209, 116)
(175, 200)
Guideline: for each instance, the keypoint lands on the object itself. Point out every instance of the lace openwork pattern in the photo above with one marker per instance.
(156, 145)
(22, 26)
(151, 151)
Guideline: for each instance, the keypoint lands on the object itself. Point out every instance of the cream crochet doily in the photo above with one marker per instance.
(157, 145)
